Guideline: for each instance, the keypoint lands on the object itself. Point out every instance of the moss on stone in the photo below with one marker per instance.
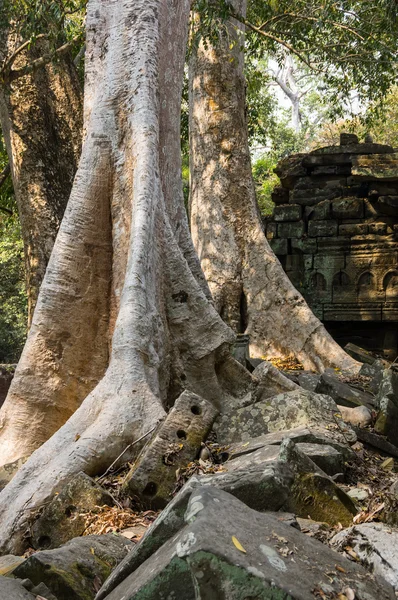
(320, 499)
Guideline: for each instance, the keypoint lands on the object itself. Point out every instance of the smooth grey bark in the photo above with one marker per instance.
(286, 81)
(41, 118)
(124, 309)
(251, 291)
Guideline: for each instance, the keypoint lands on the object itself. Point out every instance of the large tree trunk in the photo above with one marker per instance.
(41, 119)
(125, 224)
(250, 289)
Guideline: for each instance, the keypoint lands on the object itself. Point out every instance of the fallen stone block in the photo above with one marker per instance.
(227, 550)
(177, 442)
(375, 371)
(263, 480)
(11, 589)
(376, 545)
(387, 403)
(359, 416)
(263, 487)
(341, 392)
(77, 570)
(313, 494)
(309, 381)
(376, 440)
(39, 591)
(298, 408)
(9, 562)
(62, 519)
(298, 435)
(270, 381)
(360, 354)
(388, 205)
(330, 460)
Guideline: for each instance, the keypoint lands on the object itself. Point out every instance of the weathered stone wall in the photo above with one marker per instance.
(335, 231)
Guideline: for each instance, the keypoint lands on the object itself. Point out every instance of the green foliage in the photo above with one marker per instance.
(351, 44)
(13, 301)
(265, 180)
(55, 21)
(282, 141)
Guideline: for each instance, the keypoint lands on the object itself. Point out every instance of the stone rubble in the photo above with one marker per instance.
(247, 529)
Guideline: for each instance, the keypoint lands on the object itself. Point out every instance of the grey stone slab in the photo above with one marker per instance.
(61, 520)
(377, 441)
(76, 570)
(309, 381)
(387, 403)
(375, 371)
(11, 589)
(228, 551)
(262, 487)
(376, 545)
(365, 148)
(177, 442)
(327, 458)
(376, 167)
(360, 354)
(298, 408)
(9, 562)
(343, 393)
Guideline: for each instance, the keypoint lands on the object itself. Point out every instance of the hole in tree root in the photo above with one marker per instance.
(181, 434)
(44, 542)
(196, 410)
(150, 489)
(70, 510)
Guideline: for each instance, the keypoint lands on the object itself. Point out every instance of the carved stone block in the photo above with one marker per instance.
(178, 441)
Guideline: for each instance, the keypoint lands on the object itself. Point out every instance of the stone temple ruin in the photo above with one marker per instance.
(335, 230)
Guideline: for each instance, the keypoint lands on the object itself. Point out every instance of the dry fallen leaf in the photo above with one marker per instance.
(388, 464)
(338, 568)
(351, 553)
(237, 544)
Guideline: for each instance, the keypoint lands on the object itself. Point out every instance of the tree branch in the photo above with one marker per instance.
(80, 55)
(39, 62)
(272, 37)
(10, 61)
